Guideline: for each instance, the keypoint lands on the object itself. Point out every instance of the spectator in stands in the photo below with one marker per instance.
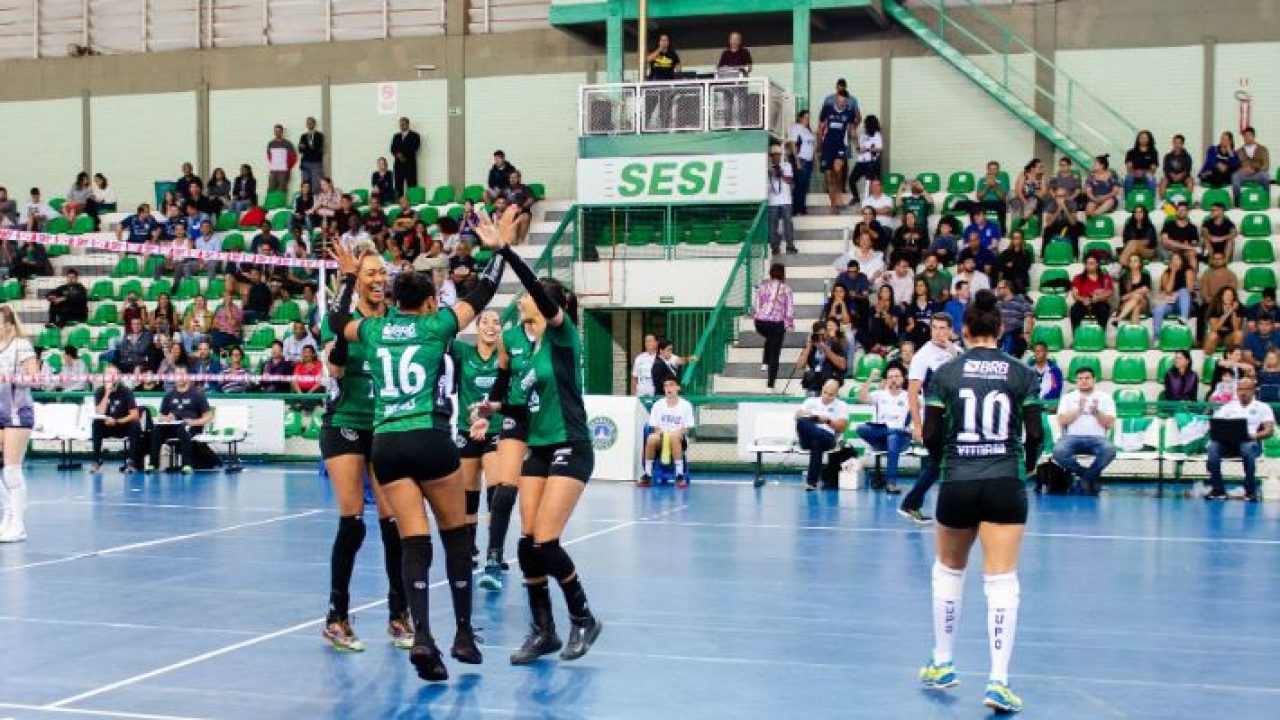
(175, 355)
(880, 234)
(1139, 237)
(882, 205)
(8, 210)
(1176, 284)
(945, 245)
(1181, 384)
(857, 288)
(670, 420)
(184, 267)
(938, 280)
(825, 356)
(867, 162)
(642, 368)
(264, 238)
(69, 302)
(839, 308)
(104, 196)
(1224, 320)
(184, 412)
(1101, 189)
(206, 206)
(1029, 190)
(988, 234)
(1017, 314)
(820, 422)
(131, 352)
(327, 204)
(219, 190)
(983, 259)
(1179, 236)
(910, 241)
(1221, 162)
(74, 366)
(870, 260)
(735, 62)
(829, 102)
(1230, 369)
(35, 212)
(304, 205)
(1266, 305)
(1067, 180)
(382, 184)
(1048, 371)
(1091, 294)
(499, 176)
(1269, 377)
(1261, 424)
(375, 220)
(183, 184)
(228, 321)
(240, 379)
(1217, 277)
(801, 135)
(354, 234)
(1141, 162)
(281, 157)
(206, 362)
(297, 341)
(116, 416)
(311, 151)
(881, 333)
(244, 191)
(139, 226)
(308, 365)
(781, 180)
(133, 309)
(1219, 233)
(1085, 415)
(1061, 222)
(661, 64)
(918, 312)
(194, 220)
(970, 275)
(257, 297)
(901, 359)
(275, 364)
(30, 260)
(774, 314)
(914, 200)
(79, 198)
(1135, 292)
(1261, 341)
(197, 322)
(1014, 264)
(1255, 164)
(519, 195)
(887, 432)
(404, 148)
(992, 196)
(1177, 168)
(902, 281)
(164, 319)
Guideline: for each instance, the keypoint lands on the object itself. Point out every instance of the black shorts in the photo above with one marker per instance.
(963, 505)
(515, 425)
(469, 449)
(339, 441)
(417, 454)
(575, 460)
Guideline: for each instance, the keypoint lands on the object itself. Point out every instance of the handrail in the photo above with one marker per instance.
(750, 244)
(544, 262)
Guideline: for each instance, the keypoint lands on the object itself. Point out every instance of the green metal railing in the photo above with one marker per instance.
(734, 302)
(556, 259)
(1003, 54)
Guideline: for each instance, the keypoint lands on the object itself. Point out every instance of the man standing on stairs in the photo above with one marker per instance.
(935, 353)
(781, 180)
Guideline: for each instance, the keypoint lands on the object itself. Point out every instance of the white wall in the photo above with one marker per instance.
(42, 146)
(240, 123)
(862, 75)
(692, 282)
(133, 153)
(358, 135)
(1256, 63)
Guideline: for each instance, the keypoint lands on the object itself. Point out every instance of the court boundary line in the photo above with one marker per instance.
(124, 715)
(116, 550)
(267, 637)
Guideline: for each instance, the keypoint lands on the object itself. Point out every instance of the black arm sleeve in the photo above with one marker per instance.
(934, 431)
(339, 353)
(1035, 434)
(487, 286)
(545, 304)
(501, 385)
(340, 308)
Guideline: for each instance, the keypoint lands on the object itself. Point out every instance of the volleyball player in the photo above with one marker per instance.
(979, 406)
(17, 417)
(558, 467)
(931, 356)
(414, 455)
(346, 444)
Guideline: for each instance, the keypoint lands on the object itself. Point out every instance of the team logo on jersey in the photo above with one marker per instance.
(604, 432)
(508, 424)
(460, 441)
(349, 434)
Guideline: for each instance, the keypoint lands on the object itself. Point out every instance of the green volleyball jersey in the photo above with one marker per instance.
(519, 353)
(412, 370)
(553, 381)
(351, 398)
(476, 376)
(982, 393)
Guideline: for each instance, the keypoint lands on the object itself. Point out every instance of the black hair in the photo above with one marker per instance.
(71, 351)
(562, 296)
(982, 317)
(1249, 130)
(663, 344)
(1040, 344)
(1084, 369)
(777, 271)
(872, 124)
(1104, 161)
(413, 289)
(448, 225)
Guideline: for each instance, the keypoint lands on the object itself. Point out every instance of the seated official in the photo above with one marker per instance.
(183, 413)
(887, 432)
(116, 416)
(820, 422)
(1085, 415)
(670, 421)
(1261, 424)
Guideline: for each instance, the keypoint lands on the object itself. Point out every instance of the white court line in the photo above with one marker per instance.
(911, 530)
(118, 626)
(163, 506)
(95, 713)
(258, 640)
(160, 541)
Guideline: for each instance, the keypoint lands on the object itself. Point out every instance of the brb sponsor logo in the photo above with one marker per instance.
(604, 432)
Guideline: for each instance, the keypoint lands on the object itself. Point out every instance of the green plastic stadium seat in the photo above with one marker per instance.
(1206, 370)
(126, 266)
(312, 432)
(1174, 336)
(261, 339)
(429, 215)
(1080, 362)
(538, 191)
(417, 195)
(961, 182)
(227, 221)
(643, 235)
(82, 225)
(275, 200)
(1129, 371)
(153, 263)
(129, 286)
(892, 181)
(1257, 279)
(1216, 197)
(187, 289)
(217, 287)
(281, 220)
(158, 288)
(1051, 307)
(393, 214)
(1098, 246)
(474, 193)
(700, 235)
(78, 337)
(456, 212)
(11, 290)
(955, 205)
(105, 314)
(102, 290)
(57, 225)
(1257, 225)
(1050, 335)
(866, 363)
(55, 361)
(1130, 396)
(1052, 279)
(1258, 252)
(293, 424)
(233, 242)
(1177, 192)
(732, 234)
(286, 312)
(1030, 227)
(1139, 196)
(360, 197)
(1132, 338)
(1100, 228)
(1253, 198)
(1058, 253)
(931, 181)
(1166, 362)
(444, 195)
(1089, 337)
(103, 339)
(50, 338)
(57, 203)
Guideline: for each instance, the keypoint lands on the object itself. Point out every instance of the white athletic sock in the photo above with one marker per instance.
(648, 467)
(948, 591)
(15, 506)
(1003, 595)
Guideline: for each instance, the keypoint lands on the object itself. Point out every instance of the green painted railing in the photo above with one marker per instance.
(734, 302)
(556, 259)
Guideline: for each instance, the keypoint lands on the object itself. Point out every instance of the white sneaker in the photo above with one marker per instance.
(13, 529)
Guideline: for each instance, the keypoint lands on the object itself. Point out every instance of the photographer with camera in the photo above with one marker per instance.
(825, 356)
(781, 180)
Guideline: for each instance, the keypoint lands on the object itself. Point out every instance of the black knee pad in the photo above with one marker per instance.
(473, 501)
(351, 532)
(528, 558)
(503, 498)
(555, 560)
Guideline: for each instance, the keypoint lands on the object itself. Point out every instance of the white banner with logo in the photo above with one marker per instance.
(616, 425)
(673, 179)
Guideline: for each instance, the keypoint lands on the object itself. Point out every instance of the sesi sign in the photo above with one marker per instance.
(672, 179)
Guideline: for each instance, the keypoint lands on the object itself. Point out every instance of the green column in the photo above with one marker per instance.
(614, 41)
(800, 54)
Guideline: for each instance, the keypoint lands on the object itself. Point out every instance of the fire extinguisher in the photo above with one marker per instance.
(1246, 107)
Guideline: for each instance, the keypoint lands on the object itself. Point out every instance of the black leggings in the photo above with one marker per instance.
(1099, 311)
(774, 333)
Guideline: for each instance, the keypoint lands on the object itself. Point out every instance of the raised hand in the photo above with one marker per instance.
(348, 263)
(500, 234)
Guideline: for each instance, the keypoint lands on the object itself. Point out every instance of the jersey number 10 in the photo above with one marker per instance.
(996, 409)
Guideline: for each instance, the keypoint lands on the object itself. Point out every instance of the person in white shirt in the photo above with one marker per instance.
(34, 212)
(977, 279)
(867, 164)
(642, 368)
(1085, 415)
(820, 422)
(299, 339)
(887, 432)
(670, 420)
(802, 137)
(781, 180)
(902, 281)
(881, 203)
(1261, 425)
(931, 356)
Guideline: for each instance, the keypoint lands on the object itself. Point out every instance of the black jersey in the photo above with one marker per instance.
(982, 393)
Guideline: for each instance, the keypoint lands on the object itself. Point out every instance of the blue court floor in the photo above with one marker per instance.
(202, 598)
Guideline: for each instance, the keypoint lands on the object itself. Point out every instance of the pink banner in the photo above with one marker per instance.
(107, 241)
